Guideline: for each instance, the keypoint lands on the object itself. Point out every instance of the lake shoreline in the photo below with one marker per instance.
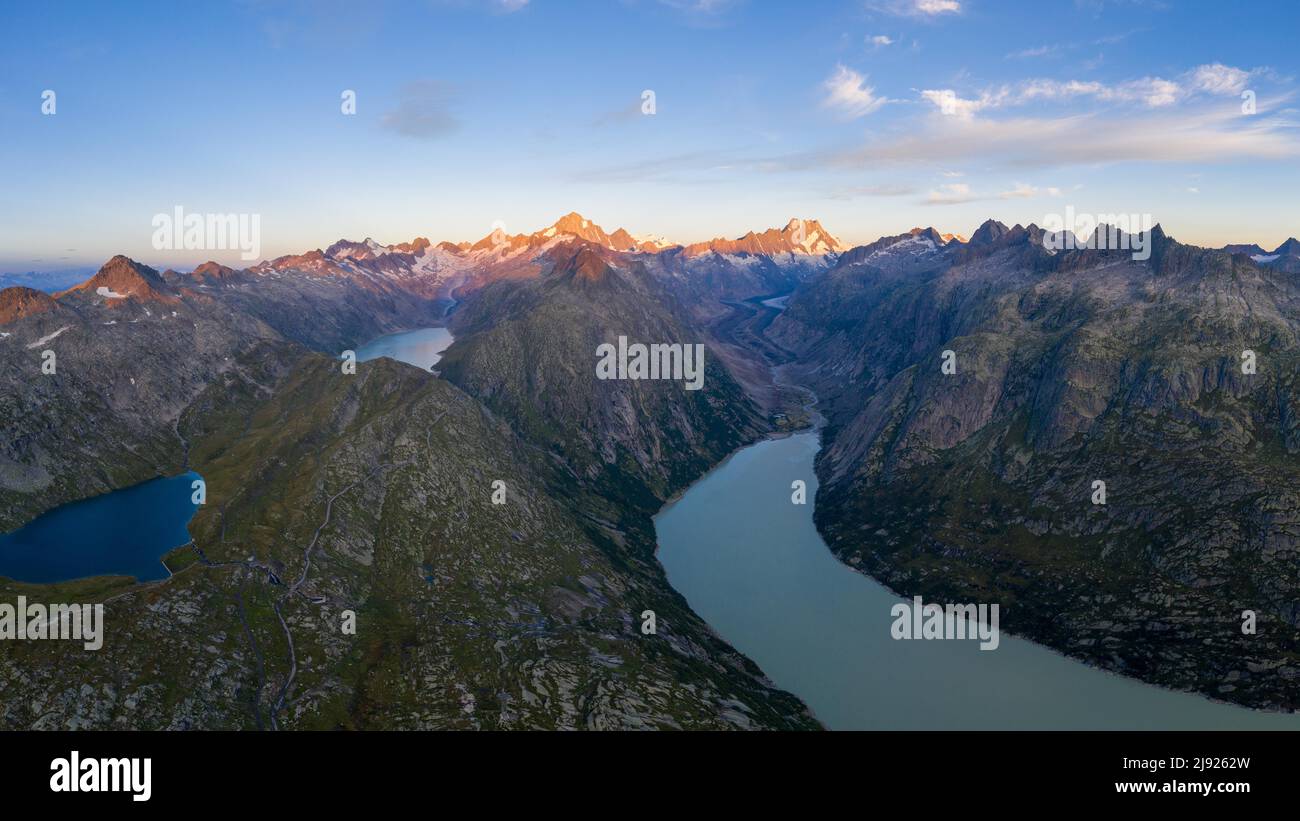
(713, 566)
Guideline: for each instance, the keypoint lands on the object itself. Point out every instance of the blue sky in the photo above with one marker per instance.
(871, 116)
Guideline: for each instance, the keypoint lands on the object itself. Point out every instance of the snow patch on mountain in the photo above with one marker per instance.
(48, 338)
(910, 245)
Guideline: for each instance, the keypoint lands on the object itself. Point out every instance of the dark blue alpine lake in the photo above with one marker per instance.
(123, 533)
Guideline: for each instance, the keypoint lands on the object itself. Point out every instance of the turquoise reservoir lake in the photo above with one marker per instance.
(123, 533)
(752, 564)
(421, 347)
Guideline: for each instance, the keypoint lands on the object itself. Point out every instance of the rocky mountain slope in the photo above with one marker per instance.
(132, 348)
(372, 493)
(528, 350)
(1070, 368)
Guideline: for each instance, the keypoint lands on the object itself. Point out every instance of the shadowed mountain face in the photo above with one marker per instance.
(132, 350)
(1286, 257)
(528, 350)
(373, 493)
(1071, 368)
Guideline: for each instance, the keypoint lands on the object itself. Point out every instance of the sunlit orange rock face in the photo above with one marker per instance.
(798, 236)
(123, 278)
(19, 302)
(212, 270)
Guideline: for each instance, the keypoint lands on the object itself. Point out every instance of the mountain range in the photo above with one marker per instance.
(1071, 367)
(1286, 257)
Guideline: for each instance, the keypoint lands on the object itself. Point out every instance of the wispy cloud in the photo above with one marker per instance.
(1217, 78)
(1037, 51)
(1021, 191)
(883, 190)
(950, 194)
(1209, 135)
(959, 193)
(423, 112)
(1118, 37)
(1150, 91)
(847, 92)
(1154, 92)
(493, 6)
(916, 8)
(949, 104)
(687, 168)
(1125, 121)
(627, 114)
(702, 12)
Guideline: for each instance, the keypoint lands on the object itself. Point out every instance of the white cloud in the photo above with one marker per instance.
(916, 8)
(881, 40)
(1216, 78)
(949, 104)
(701, 12)
(886, 190)
(1208, 135)
(1151, 91)
(1040, 51)
(1025, 191)
(1154, 91)
(847, 92)
(936, 6)
(950, 194)
(1036, 89)
(958, 193)
(509, 6)
(1019, 192)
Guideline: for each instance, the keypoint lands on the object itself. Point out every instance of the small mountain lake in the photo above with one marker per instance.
(751, 563)
(128, 531)
(123, 533)
(421, 347)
